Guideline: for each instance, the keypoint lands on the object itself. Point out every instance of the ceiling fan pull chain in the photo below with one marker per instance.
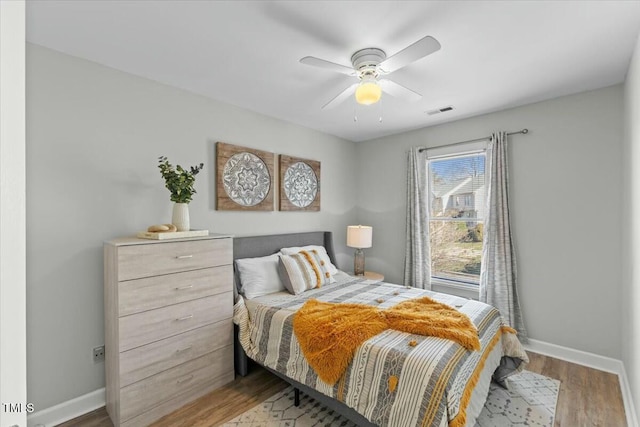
(381, 112)
(355, 117)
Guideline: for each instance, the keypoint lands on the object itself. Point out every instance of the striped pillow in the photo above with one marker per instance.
(322, 252)
(303, 271)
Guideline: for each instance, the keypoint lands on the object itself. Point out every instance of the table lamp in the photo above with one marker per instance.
(359, 237)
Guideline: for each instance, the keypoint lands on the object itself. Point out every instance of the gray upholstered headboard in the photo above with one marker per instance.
(258, 246)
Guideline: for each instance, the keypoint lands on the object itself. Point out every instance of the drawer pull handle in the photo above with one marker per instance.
(182, 350)
(184, 288)
(184, 380)
(179, 319)
(184, 256)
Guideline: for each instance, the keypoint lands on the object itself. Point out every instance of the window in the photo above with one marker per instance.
(456, 206)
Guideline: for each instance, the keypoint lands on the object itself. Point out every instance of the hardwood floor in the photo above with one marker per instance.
(588, 398)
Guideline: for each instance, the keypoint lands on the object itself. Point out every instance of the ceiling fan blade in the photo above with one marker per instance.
(399, 91)
(341, 96)
(411, 53)
(321, 63)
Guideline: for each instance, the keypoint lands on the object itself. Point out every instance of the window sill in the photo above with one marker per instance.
(454, 288)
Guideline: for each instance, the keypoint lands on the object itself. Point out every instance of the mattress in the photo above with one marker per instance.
(439, 382)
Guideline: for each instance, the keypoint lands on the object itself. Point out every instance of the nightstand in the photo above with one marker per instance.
(371, 275)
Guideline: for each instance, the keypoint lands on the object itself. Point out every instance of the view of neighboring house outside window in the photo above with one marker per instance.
(456, 206)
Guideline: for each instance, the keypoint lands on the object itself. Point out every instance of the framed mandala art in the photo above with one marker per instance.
(245, 178)
(299, 184)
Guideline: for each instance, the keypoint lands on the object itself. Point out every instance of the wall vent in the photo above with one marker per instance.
(440, 110)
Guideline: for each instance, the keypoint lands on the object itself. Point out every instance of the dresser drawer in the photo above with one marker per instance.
(152, 292)
(137, 261)
(147, 418)
(144, 395)
(147, 360)
(153, 325)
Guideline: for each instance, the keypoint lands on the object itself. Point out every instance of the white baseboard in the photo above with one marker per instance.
(68, 410)
(579, 357)
(627, 398)
(594, 361)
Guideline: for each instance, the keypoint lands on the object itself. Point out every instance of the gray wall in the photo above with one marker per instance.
(566, 208)
(631, 224)
(93, 138)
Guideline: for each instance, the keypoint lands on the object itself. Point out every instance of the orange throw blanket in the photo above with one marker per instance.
(330, 333)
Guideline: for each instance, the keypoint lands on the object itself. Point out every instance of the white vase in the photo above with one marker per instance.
(180, 216)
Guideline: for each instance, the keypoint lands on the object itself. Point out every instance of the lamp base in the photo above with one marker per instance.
(358, 263)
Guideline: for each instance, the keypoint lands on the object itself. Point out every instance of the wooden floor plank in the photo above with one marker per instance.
(587, 398)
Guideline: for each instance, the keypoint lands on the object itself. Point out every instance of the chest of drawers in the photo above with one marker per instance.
(168, 327)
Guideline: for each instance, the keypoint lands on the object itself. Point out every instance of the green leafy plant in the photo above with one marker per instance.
(179, 181)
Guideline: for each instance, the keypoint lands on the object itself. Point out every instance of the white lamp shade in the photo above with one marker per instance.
(359, 236)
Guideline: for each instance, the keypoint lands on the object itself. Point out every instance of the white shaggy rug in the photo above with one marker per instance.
(530, 401)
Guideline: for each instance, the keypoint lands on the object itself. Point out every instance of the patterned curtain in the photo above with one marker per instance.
(498, 284)
(417, 261)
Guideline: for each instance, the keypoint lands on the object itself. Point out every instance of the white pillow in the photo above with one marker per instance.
(259, 276)
(304, 270)
(322, 252)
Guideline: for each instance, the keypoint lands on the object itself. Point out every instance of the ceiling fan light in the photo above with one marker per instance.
(368, 93)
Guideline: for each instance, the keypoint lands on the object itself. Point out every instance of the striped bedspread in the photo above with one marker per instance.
(436, 379)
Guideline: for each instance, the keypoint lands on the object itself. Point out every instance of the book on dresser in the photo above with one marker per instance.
(168, 324)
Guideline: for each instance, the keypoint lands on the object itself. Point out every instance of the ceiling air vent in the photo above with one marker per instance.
(440, 110)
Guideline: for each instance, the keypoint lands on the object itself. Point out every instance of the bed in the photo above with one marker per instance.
(437, 382)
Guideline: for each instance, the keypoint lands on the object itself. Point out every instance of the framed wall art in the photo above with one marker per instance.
(245, 178)
(299, 184)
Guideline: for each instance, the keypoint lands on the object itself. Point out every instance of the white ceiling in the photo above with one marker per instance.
(495, 54)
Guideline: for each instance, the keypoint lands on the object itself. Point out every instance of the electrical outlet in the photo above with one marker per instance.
(98, 354)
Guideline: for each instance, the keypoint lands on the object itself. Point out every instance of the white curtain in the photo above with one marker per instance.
(417, 262)
(498, 274)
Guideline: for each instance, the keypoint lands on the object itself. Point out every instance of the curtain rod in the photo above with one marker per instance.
(523, 131)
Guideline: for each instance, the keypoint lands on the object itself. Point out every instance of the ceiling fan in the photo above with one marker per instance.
(369, 65)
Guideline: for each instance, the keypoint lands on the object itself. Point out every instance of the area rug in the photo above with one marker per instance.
(530, 401)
